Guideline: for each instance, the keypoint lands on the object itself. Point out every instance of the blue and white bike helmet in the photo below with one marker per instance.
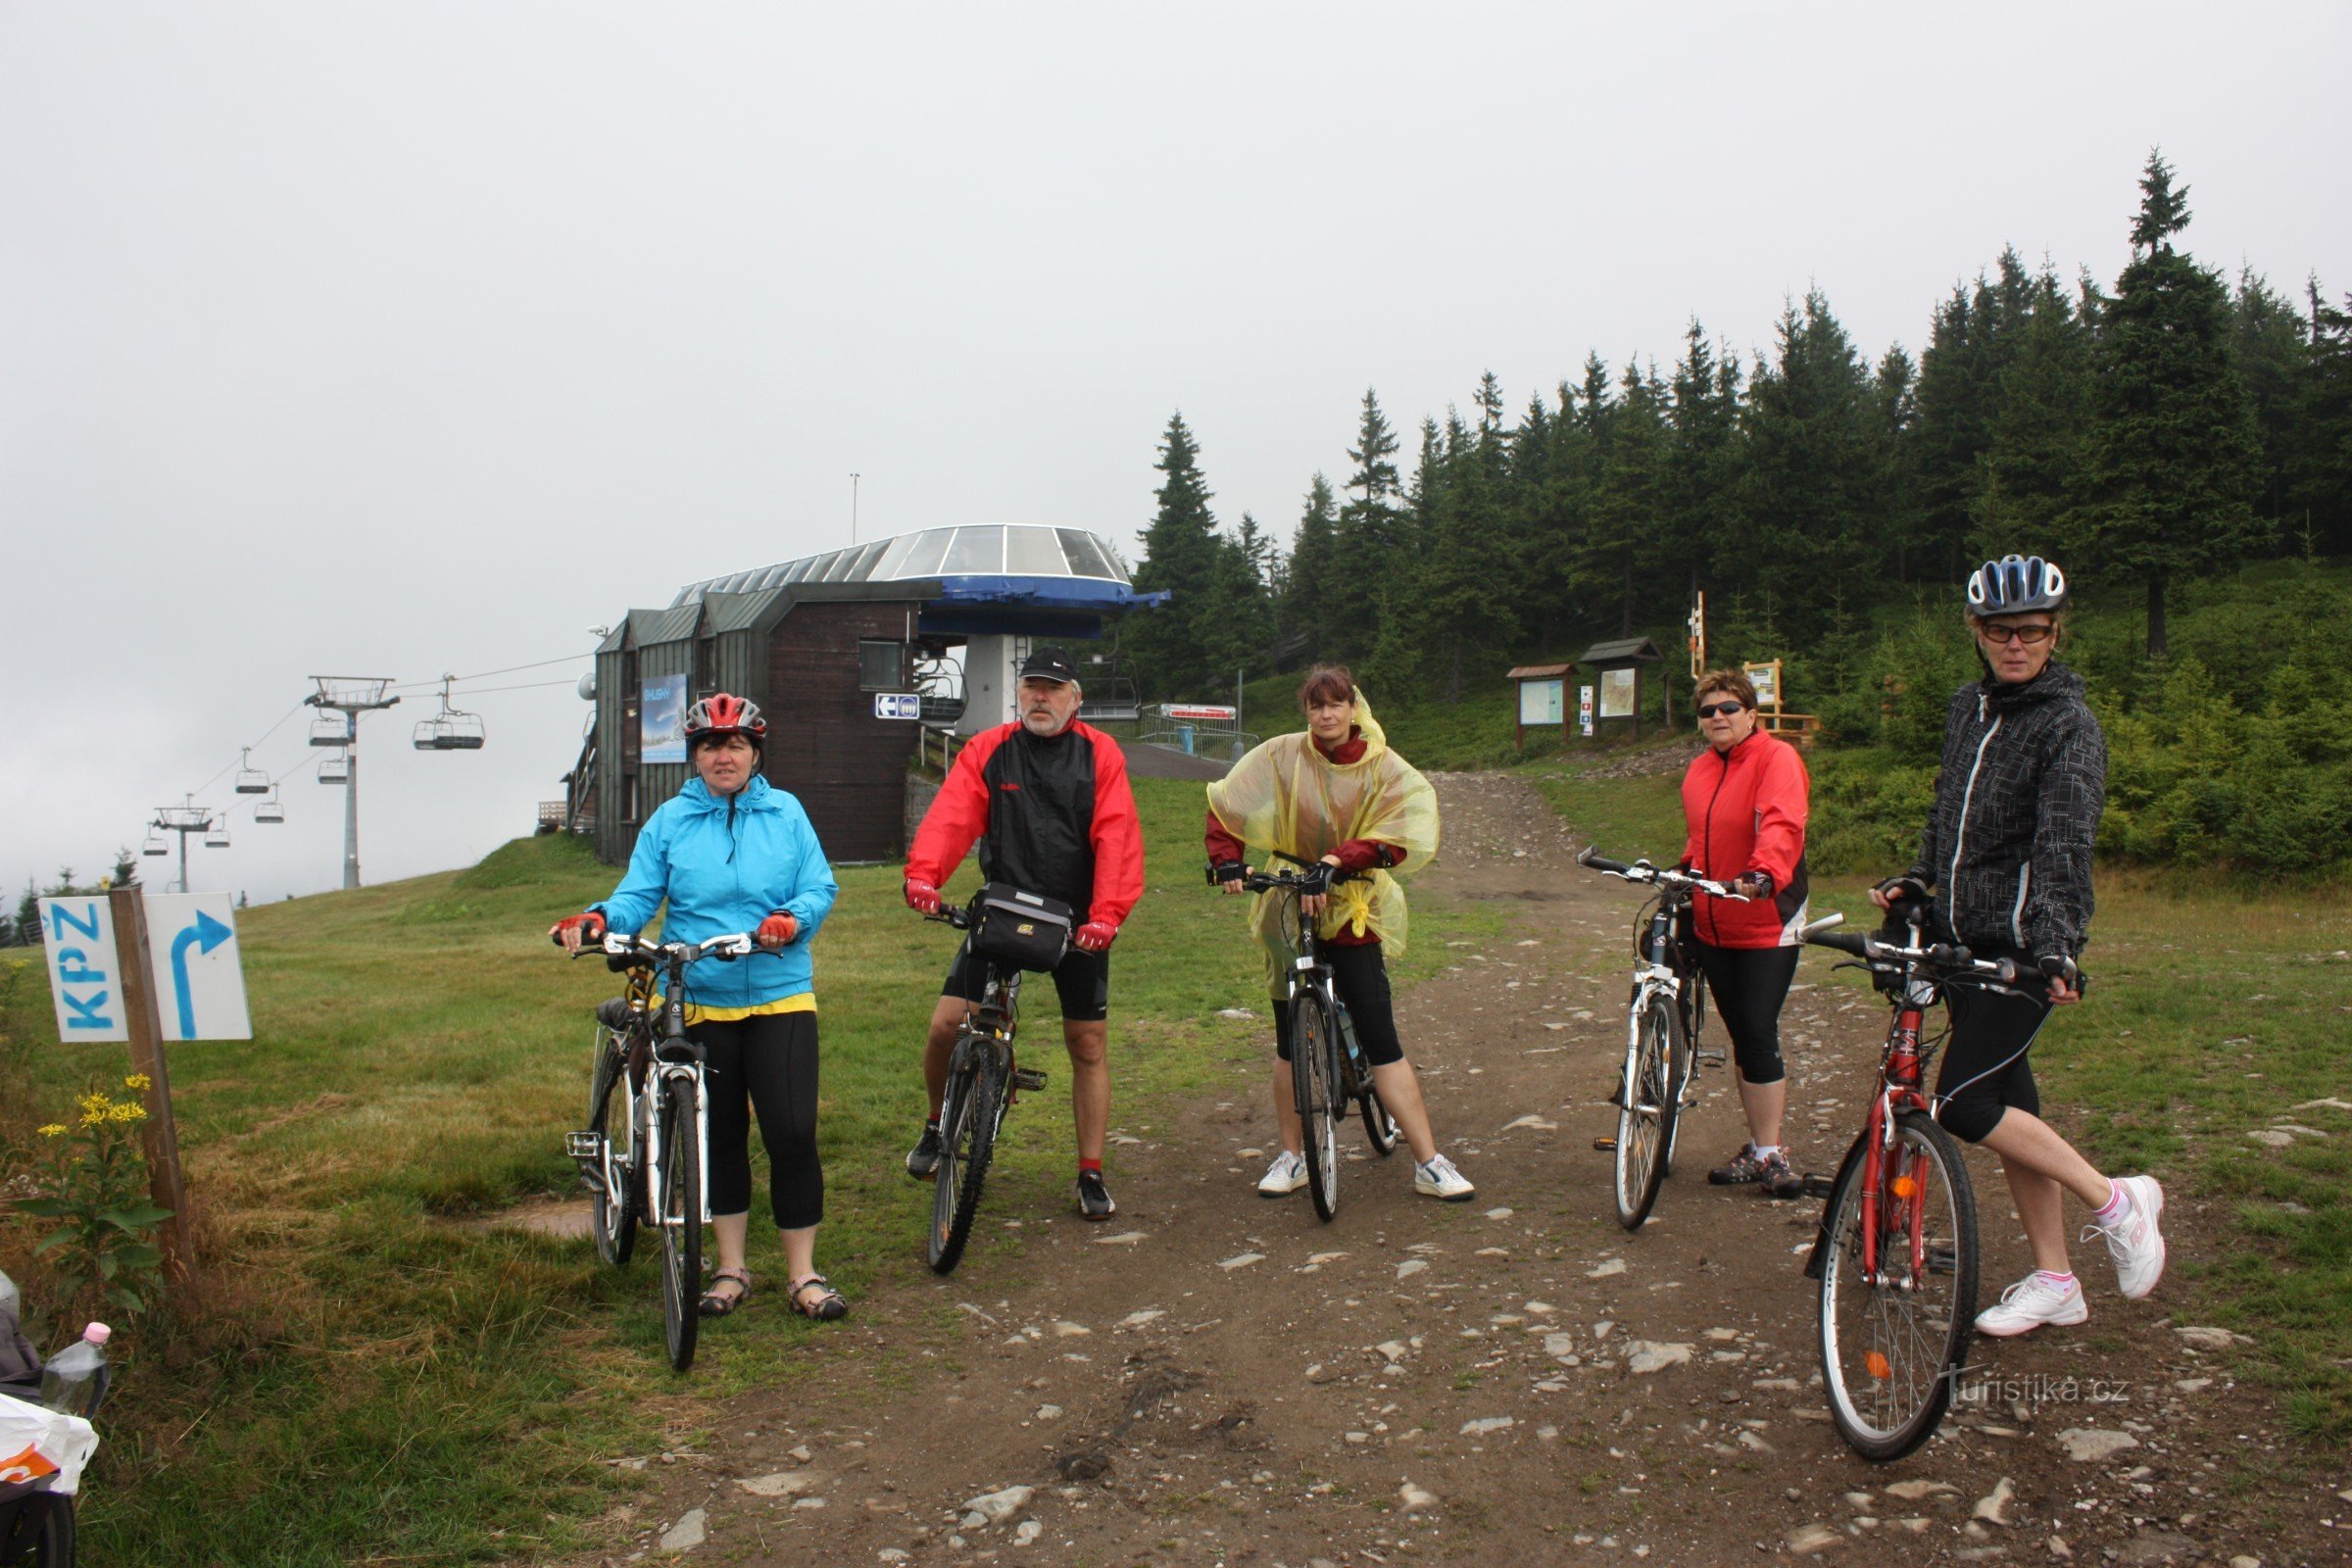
(2016, 584)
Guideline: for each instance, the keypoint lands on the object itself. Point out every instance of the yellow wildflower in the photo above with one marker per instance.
(56, 1129)
(139, 1081)
(127, 1110)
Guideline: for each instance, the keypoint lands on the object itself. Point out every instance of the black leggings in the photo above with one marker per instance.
(1984, 1072)
(1751, 986)
(767, 1064)
(1361, 979)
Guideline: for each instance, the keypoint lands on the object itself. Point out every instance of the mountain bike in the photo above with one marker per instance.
(1329, 1072)
(1897, 1252)
(983, 1080)
(645, 1149)
(1663, 1015)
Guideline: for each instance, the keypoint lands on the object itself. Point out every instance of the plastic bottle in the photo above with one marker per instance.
(11, 1307)
(75, 1380)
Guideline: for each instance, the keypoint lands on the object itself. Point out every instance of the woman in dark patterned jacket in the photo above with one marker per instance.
(2007, 848)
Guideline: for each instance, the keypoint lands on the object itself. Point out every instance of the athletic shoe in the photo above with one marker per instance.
(2133, 1241)
(922, 1160)
(1779, 1177)
(1094, 1199)
(1439, 1179)
(2030, 1304)
(1284, 1177)
(1738, 1170)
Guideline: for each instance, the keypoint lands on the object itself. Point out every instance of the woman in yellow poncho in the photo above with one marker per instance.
(1336, 793)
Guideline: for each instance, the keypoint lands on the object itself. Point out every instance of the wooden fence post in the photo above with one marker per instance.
(158, 1133)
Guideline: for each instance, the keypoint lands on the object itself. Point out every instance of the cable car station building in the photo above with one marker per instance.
(818, 643)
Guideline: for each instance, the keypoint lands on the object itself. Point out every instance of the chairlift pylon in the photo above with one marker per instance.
(271, 810)
(452, 729)
(215, 837)
(251, 780)
(330, 732)
(335, 770)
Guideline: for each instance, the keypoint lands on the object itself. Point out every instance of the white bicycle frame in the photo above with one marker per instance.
(658, 1078)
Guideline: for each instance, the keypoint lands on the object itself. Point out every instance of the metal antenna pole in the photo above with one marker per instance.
(350, 696)
(853, 508)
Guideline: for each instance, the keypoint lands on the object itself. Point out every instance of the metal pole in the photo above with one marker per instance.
(852, 509)
(183, 858)
(159, 1135)
(351, 803)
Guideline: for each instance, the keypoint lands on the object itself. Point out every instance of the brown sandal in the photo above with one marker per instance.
(713, 1303)
(827, 1307)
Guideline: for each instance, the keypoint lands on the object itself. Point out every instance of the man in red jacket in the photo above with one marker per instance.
(1047, 801)
(1746, 800)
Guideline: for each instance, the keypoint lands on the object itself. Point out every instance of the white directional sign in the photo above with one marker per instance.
(897, 705)
(79, 936)
(199, 976)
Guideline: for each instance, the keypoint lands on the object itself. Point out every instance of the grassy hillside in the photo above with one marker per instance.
(361, 1339)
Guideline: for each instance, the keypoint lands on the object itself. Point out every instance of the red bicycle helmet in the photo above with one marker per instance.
(722, 715)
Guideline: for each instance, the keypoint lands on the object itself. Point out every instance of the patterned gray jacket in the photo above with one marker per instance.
(2007, 845)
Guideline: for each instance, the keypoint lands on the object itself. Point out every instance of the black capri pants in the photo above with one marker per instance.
(1751, 986)
(1361, 977)
(1985, 1071)
(765, 1063)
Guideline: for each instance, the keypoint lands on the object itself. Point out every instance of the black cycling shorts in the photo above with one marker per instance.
(1082, 980)
(1986, 1069)
(1360, 976)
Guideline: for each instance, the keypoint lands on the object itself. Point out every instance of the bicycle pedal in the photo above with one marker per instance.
(1028, 1077)
(1712, 1058)
(585, 1145)
(1820, 1185)
(1604, 1144)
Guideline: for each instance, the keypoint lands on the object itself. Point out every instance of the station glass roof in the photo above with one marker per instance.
(996, 549)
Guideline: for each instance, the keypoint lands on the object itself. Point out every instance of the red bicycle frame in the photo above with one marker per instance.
(1898, 1091)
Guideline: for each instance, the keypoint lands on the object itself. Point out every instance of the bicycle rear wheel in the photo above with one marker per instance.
(612, 1194)
(969, 1115)
(678, 1184)
(1322, 1102)
(1684, 1064)
(1645, 1119)
(1891, 1349)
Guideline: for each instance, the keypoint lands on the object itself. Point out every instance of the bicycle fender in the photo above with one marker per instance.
(1814, 1260)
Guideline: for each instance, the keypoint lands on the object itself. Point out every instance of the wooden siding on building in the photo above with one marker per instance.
(824, 744)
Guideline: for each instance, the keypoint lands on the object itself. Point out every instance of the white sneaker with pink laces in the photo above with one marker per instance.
(2030, 1304)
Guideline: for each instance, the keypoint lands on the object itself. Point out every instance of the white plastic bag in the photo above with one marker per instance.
(37, 1442)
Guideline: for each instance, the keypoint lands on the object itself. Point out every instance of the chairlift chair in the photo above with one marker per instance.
(330, 732)
(251, 780)
(215, 837)
(153, 844)
(271, 810)
(335, 770)
(452, 729)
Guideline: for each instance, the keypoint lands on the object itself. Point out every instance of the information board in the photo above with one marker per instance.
(1539, 701)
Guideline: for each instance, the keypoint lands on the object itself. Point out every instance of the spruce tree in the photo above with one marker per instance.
(2319, 466)
(2028, 481)
(1172, 645)
(2270, 342)
(1314, 566)
(2172, 455)
(1367, 532)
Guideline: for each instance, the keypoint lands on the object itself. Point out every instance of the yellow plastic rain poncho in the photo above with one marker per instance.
(1288, 795)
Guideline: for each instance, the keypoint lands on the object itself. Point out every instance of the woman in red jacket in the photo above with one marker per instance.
(1744, 799)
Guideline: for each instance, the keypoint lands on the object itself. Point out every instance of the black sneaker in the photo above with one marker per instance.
(1094, 1199)
(922, 1160)
(1780, 1179)
(1739, 1170)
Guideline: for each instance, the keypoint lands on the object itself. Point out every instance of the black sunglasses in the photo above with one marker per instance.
(2031, 636)
(1718, 710)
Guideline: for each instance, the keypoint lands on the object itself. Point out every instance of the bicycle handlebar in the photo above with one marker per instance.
(621, 950)
(1944, 955)
(1659, 876)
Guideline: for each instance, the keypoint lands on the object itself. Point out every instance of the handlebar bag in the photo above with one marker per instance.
(1025, 930)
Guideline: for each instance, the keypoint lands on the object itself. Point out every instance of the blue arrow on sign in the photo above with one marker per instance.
(210, 934)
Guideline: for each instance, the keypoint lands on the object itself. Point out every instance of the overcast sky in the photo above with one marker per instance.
(416, 338)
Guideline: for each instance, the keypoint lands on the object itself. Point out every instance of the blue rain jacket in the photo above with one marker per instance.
(726, 865)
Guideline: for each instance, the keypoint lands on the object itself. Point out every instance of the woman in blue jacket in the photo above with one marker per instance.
(730, 853)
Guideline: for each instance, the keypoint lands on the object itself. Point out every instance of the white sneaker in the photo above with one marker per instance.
(1284, 1177)
(1439, 1179)
(2133, 1241)
(2030, 1304)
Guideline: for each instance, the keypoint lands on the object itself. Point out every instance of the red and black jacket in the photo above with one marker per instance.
(1746, 810)
(1052, 816)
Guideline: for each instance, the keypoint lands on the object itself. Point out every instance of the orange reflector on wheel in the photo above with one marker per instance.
(1904, 1186)
(1878, 1365)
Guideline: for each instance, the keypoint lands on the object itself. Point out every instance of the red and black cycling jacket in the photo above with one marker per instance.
(1746, 810)
(1356, 854)
(1053, 816)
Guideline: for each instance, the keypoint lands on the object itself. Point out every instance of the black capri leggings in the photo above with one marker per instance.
(1361, 978)
(1985, 1071)
(1750, 985)
(765, 1063)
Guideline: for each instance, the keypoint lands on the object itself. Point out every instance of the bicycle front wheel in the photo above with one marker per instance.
(1683, 1061)
(1892, 1342)
(1380, 1128)
(1646, 1117)
(967, 1137)
(678, 1186)
(612, 1194)
(1322, 1103)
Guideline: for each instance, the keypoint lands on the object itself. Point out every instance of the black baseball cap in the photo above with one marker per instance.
(1048, 664)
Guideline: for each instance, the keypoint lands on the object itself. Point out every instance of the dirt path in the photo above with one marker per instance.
(1214, 1377)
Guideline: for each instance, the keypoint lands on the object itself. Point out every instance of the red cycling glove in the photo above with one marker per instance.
(778, 929)
(590, 926)
(1097, 936)
(922, 895)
